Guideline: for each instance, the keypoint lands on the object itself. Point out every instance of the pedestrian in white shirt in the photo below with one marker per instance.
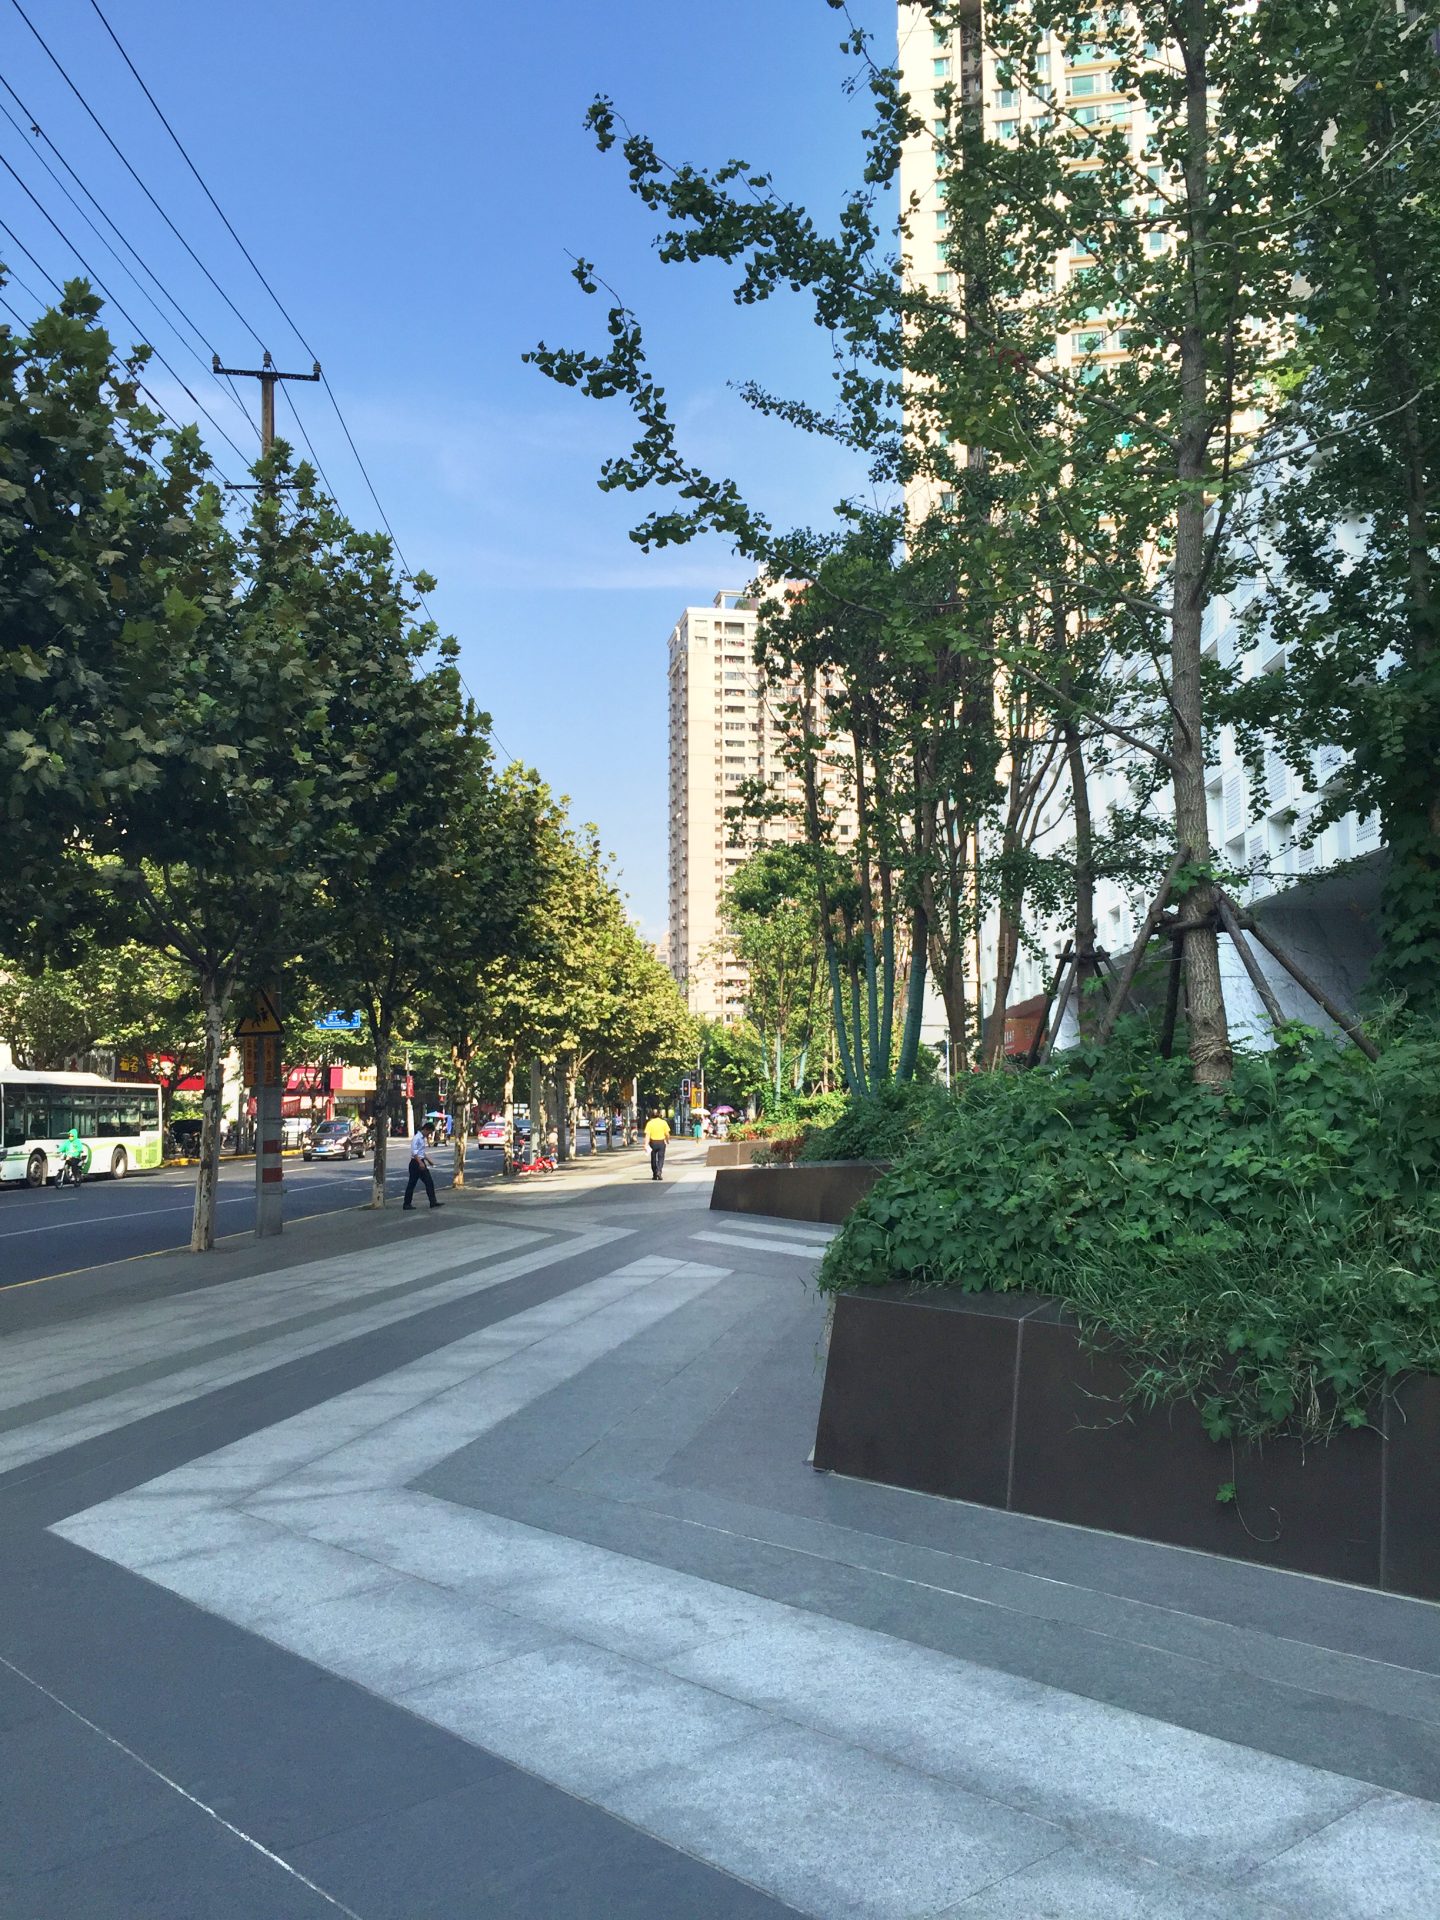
(420, 1171)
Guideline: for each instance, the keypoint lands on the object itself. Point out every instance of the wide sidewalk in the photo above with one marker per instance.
(472, 1564)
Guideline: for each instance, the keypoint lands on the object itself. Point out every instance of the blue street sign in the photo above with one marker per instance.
(339, 1023)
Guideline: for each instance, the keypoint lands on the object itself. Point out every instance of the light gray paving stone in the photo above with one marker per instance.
(1116, 1777)
(835, 1831)
(642, 1611)
(740, 1244)
(138, 1531)
(1381, 1862)
(406, 1634)
(583, 1718)
(449, 1546)
(1090, 1883)
(270, 1573)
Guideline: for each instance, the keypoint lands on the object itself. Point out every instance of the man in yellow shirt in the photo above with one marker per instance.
(657, 1132)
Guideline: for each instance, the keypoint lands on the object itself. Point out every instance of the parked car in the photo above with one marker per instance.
(491, 1133)
(337, 1140)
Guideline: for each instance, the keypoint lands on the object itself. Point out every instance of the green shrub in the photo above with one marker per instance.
(1272, 1253)
(879, 1126)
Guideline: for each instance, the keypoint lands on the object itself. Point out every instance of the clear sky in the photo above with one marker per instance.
(411, 179)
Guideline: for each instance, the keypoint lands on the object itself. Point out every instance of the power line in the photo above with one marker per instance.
(12, 278)
(300, 427)
(124, 161)
(204, 187)
(279, 303)
(109, 246)
(259, 274)
(194, 400)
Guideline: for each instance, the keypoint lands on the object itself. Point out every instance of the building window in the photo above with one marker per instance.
(1006, 99)
(1006, 129)
(942, 220)
(942, 69)
(1086, 116)
(942, 283)
(1083, 83)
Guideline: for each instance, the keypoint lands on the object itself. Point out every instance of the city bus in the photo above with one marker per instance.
(118, 1121)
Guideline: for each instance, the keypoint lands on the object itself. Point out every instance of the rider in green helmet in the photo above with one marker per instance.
(72, 1147)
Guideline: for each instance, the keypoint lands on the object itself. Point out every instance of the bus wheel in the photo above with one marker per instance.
(35, 1170)
(119, 1164)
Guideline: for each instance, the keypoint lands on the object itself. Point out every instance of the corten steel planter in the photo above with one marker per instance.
(731, 1153)
(828, 1190)
(993, 1398)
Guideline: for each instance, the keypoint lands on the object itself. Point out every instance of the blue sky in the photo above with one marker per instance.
(412, 179)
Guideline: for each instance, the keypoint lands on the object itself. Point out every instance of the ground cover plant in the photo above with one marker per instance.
(1271, 1252)
(880, 1126)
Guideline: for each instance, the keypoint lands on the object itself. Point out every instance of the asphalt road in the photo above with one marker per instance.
(44, 1232)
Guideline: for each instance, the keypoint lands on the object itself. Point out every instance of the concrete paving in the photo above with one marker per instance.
(482, 1571)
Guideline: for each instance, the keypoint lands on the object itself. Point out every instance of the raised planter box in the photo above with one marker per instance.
(731, 1153)
(991, 1397)
(827, 1190)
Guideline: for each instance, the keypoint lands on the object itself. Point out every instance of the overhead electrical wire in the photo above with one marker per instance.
(13, 279)
(206, 347)
(257, 270)
(288, 317)
(120, 155)
(255, 267)
(190, 395)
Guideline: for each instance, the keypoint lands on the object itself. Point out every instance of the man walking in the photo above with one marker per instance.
(420, 1171)
(657, 1132)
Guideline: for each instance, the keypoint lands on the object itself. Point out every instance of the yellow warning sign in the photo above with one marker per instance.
(262, 1020)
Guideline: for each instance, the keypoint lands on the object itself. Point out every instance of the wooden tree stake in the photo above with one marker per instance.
(1137, 952)
(1345, 1021)
(1247, 958)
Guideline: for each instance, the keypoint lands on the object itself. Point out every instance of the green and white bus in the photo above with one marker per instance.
(118, 1121)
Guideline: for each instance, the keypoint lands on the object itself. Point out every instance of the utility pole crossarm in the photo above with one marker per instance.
(267, 375)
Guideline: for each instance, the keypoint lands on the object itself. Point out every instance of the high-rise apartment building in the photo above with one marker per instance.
(717, 741)
(723, 731)
(937, 63)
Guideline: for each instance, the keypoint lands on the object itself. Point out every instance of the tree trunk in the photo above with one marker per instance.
(213, 996)
(562, 1113)
(1007, 952)
(460, 1101)
(1211, 1061)
(1086, 964)
(537, 1109)
(914, 999)
(380, 1040)
(507, 1152)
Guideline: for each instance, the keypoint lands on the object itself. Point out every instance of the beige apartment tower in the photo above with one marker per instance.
(724, 730)
(718, 740)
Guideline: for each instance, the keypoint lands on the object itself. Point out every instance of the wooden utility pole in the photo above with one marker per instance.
(264, 1050)
(267, 375)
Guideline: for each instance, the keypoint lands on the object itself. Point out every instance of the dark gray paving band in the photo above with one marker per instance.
(660, 1455)
(392, 1817)
(72, 1478)
(182, 1359)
